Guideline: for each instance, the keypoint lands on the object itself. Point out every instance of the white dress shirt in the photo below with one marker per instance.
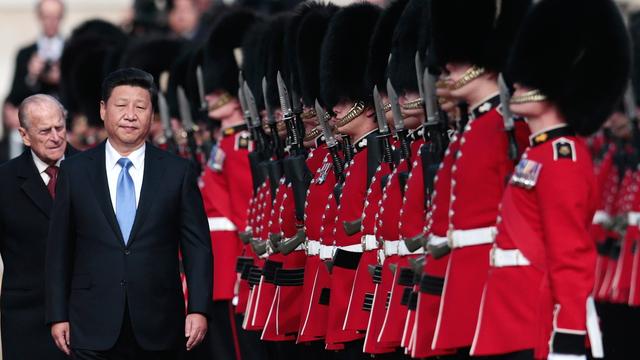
(113, 170)
(42, 167)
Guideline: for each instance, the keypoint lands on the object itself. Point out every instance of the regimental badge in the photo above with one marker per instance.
(526, 173)
(323, 171)
(564, 148)
(216, 160)
(243, 141)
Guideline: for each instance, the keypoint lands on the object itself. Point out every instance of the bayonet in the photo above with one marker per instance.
(287, 115)
(165, 118)
(323, 119)
(189, 126)
(380, 117)
(251, 104)
(505, 99)
(630, 103)
(398, 121)
(332, 143)
(185, 110)
(200, 79)
(383, 127)
(507, 116)
(271, 121)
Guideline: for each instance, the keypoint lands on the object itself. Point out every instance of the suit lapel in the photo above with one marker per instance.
(98, 174)
(153, 170)
(33, 185)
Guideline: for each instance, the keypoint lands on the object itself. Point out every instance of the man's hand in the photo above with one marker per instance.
(60, 334)
(35, 67)
(195, 328)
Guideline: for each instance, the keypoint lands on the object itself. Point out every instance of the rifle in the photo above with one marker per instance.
(190, 128)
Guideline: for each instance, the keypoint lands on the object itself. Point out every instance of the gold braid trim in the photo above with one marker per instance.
(312, 134)
(413, 104)
(223, 100)
(471, 74)
(311, 113)
(530, 96)
(354, 112)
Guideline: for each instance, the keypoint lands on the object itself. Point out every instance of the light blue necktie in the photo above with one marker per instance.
(125, 199)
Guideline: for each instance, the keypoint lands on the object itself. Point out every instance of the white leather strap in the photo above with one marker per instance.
(437, 240)
(327, 251)
(369, 242)
(221, 224)
(391, 247)
(633, 218)
(601, 217)
(313, 247)
(398, 247)
(471, 237)
(503, 258)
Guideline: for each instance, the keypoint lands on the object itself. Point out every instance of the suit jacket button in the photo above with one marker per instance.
(127, 251)
(123, 283)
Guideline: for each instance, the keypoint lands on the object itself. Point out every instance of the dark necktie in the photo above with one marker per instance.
(52, 171)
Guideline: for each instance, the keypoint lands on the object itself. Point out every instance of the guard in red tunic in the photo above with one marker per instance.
(344, 90)
(226, 181)
(536, 302)
(362, 300)
(471, 41)
(310, 32)
(388, 315)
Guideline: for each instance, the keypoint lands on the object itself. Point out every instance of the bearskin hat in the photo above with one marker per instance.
(86, 59)
(254, 53)
(563, 49)
(311, 30)
(412, 27)
(219, 66)
(479, 32)
(153, 55)
(344, 53)
(380, 45)
(275, 56)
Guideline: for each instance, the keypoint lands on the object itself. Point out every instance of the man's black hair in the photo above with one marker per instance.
(131, 77)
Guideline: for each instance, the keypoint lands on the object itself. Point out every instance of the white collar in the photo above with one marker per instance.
(41, 165)
(112, 156)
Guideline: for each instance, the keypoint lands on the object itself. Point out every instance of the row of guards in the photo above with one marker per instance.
(374, 188)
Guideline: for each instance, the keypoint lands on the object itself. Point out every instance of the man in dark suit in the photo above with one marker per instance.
(123, 210)
(26, 190)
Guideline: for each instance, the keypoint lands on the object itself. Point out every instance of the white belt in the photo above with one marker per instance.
(438, 240)
(369, 242)
(326, 252)
(601, 217)
(398, 247)
(633, 218)
(313, 247)
(472, 237)
(504, 258)
(221, 224)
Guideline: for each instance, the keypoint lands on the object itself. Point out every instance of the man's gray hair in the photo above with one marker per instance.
(37, 100)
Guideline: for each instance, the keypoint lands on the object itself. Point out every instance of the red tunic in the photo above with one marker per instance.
(388, 316)
(313, 319)
(547, 220)
(436, 223)
(345, 262)
(226, 190)
(478, 179)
